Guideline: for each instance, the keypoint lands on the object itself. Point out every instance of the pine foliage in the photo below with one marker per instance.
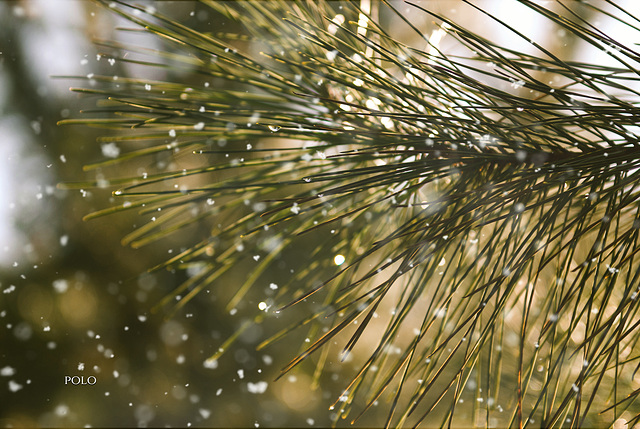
(486, 203)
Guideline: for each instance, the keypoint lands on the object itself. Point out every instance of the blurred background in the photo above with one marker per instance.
(73, 301)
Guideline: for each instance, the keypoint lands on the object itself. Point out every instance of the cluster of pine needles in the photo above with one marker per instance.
(486, 201)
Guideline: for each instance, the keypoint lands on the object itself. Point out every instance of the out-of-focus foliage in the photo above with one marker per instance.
(469, 221)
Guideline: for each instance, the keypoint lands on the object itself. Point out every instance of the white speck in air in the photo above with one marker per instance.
(257, 388)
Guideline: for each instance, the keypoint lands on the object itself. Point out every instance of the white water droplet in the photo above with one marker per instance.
(210, 363)
(257, 388)
(7, 371)
(14, 387)
(331, 55)
(110, 150)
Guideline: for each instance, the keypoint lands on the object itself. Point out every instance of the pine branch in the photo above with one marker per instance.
(494, 211)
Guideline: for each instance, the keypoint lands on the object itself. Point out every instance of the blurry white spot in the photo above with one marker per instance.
(62, 410)
(14, 387)
(7, 371)
(144, 414)
(257, 388)
(110, 150)
(19, 11)
(339, 260)
(620, 424)
(171, 332)
(204, 413)
(60, 285)
(199, 126)
(386, 122)
(210, 363)
(363, 20)
(241, 373)
(262, 306)
(517, 84)
(23, 331)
